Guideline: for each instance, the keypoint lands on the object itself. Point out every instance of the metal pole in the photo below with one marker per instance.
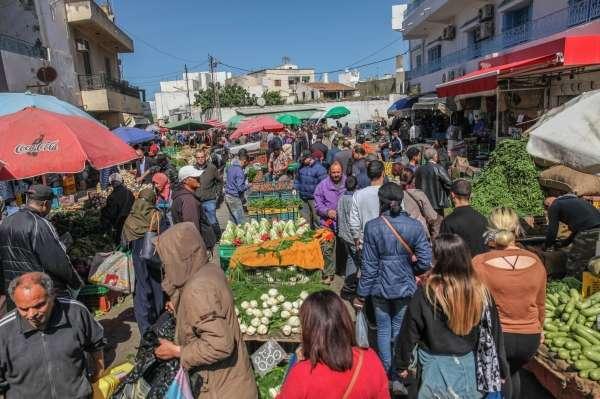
(497, 114)
(187, 84)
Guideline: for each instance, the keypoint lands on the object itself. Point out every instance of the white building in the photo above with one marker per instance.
(349, 77)
(505, 57)
(172, 97)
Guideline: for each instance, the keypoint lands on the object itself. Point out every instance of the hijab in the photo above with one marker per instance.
(183, 253)
(164, 186)
(140, 218)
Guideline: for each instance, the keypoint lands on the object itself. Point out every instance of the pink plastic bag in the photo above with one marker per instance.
(180, 387)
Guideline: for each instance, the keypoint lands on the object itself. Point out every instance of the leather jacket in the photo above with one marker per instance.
(435, 182)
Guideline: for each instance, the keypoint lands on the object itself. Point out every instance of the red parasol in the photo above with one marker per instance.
(255, 125)
(215, 123)
(34, 142)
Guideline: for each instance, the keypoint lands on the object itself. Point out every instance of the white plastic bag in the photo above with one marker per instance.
(362, 330)
(114, 272)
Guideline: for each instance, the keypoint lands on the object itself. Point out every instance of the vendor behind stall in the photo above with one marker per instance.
(584, 222)
(117, 208)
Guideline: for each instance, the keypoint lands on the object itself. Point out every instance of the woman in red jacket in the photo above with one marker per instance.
(331, 366)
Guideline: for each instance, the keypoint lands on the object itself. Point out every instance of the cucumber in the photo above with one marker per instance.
(591, 311)
(589, 324)
(583, 333)
(583, 305)
(566, 316)
(585, 373)
(585, 365)
(591, 355)
(560, 342)
(594, 297)
(581, 319)
(591, 331)
(572, 345)
(594, 375)
(564, 328)
(563, 297)
(560, 308)
(582, 341)
(572, 318)
(575, 352)
(564, 354)
(549, 326)
(570, 305)
(556, 334)
(574, 294)
(553, 298)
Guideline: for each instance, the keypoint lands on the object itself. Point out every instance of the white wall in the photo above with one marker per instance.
(166, 101)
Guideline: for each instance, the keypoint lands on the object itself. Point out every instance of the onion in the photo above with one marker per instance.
(253, 304)
(255, 322)
(243, 328)
(286, 330)
(303, 295)
(280, 298)
(264, 297)
(274, 308)
(285, 314)
(262, 329)
(294, 321)
(273, 292)
(287, 306)
(296, 330)
(245, 305)
(295, 311)
(251, 330)
(264, 320)
(249, 312)
(267, 313)
(265, 305)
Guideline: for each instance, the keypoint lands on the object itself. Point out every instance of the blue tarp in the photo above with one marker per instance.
(403, 103)
(133, 135)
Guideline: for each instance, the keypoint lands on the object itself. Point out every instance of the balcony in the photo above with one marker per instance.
(99, 93)
(17, 46)
(88, 17)
(422, 15)
(577, 13)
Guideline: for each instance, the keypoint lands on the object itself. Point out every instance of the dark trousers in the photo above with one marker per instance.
(148, 298)
(519, 349)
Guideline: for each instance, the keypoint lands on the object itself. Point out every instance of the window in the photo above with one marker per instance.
(108, 67)
(312, 94)
(277, 83)
(87, 64)
(303, 96)
(517, 18)
(434, 57)
(305, 79)
(418, 61)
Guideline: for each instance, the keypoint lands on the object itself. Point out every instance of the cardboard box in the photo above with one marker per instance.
(590, 284)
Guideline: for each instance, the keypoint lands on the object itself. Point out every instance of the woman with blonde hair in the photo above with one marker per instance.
(517, 280)
(455, 324)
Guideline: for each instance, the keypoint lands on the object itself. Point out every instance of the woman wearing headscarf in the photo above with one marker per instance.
(161, 184)
(208, 341)
(148, 299)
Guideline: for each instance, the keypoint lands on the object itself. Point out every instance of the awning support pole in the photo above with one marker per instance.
(497, 114)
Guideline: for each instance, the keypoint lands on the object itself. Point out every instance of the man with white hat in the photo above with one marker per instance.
(188, 208)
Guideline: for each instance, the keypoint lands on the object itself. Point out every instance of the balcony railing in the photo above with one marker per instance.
(578, 12)
(102, 81)
(14, 45)
(413, 5)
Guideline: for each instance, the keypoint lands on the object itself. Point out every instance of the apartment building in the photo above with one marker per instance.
(283, 79)
(509, 59)
(69, 49)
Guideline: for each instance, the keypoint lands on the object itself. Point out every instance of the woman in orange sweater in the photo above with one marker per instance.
(517, 280)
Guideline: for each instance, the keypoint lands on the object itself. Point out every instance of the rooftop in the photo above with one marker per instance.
(321, 86)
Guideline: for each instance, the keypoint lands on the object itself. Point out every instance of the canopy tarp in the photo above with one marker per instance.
(188, 124)
(401, 104)
(288, 119)
(234, 121)
(133, 135)
(569, 134)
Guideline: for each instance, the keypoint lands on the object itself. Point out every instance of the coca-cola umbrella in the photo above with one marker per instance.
(255, 125)
(34, 142)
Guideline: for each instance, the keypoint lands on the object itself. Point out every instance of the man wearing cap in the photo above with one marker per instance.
(465, 221)
(29, 242)
(188, 208)
(117, 208)
(310, 174)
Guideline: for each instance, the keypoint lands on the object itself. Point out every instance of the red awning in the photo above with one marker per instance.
(486, 79)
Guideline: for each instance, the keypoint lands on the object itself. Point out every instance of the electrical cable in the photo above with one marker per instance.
(157, 49)
(377, 52)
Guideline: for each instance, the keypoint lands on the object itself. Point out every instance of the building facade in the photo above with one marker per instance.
(507, 59)
(320, 91)
(79, 42)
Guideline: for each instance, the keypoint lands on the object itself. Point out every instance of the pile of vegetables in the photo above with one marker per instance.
(255, 232)
(269, 301)
(269, 385)
(267, 187)
(86, 230)
(570, 329)
(274, 203)
(510, 180)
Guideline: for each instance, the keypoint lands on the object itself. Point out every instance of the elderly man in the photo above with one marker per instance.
(211, 185)
(44, 343)
(29, 242)
(328, 193)
(433, 179)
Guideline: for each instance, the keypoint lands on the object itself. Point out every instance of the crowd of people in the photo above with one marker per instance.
(457, 303)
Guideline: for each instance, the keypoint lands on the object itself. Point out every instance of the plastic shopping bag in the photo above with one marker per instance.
(362, 330)
(180, 387)
(114, 272)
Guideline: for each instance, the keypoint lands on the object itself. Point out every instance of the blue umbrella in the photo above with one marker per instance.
(403, 103)
(133, 135)
(15, 102)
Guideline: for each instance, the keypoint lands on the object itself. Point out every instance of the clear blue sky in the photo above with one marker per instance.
(253, 34)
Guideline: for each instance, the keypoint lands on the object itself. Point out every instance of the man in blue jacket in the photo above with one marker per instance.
(309, 176)
(235, 187)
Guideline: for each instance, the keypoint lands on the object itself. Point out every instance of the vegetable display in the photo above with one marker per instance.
(511, 180)
(267, 187)
(274, 203)
(570, 329)
(86, 230)
(255, 232)
(270, 384)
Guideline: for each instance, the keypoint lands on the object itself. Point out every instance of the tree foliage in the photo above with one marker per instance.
(229, 96)
(273, 98)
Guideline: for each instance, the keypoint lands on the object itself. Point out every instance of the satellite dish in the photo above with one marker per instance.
(261, 102)
(47, 74)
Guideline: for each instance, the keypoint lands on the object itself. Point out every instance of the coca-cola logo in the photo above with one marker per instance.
(38, 145)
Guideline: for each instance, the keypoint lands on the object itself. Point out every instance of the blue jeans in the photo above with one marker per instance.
(388, 316)
(352, 259)
(210, 209)
(236, 209)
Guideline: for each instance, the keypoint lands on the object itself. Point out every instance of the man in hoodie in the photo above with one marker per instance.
(208, 340)
(188, 208)
(235, 187)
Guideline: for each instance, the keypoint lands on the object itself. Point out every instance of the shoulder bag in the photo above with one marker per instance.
(361, 355)
(413, 257)
(148, 252)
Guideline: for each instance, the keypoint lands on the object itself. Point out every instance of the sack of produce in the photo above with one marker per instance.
(114, 272)
(569, 180)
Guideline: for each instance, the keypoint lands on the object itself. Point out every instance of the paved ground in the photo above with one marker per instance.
(123, 335)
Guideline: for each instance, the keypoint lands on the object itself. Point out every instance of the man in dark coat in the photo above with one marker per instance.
(188, 208)
(118, 205)
(433, 179)
(211, 186)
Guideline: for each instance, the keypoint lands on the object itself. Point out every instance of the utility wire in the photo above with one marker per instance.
(376, 52)
(157, 49)
(152, 77)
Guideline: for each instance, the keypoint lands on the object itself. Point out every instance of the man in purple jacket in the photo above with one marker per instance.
(327, 195)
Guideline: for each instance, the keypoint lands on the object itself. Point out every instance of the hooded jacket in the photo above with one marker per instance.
(143, 217)
(207, 328)
(309, 176)
(188, 208)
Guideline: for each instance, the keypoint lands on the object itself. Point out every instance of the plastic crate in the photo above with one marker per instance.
(225, 254)
(95, 297)
(287, 214)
